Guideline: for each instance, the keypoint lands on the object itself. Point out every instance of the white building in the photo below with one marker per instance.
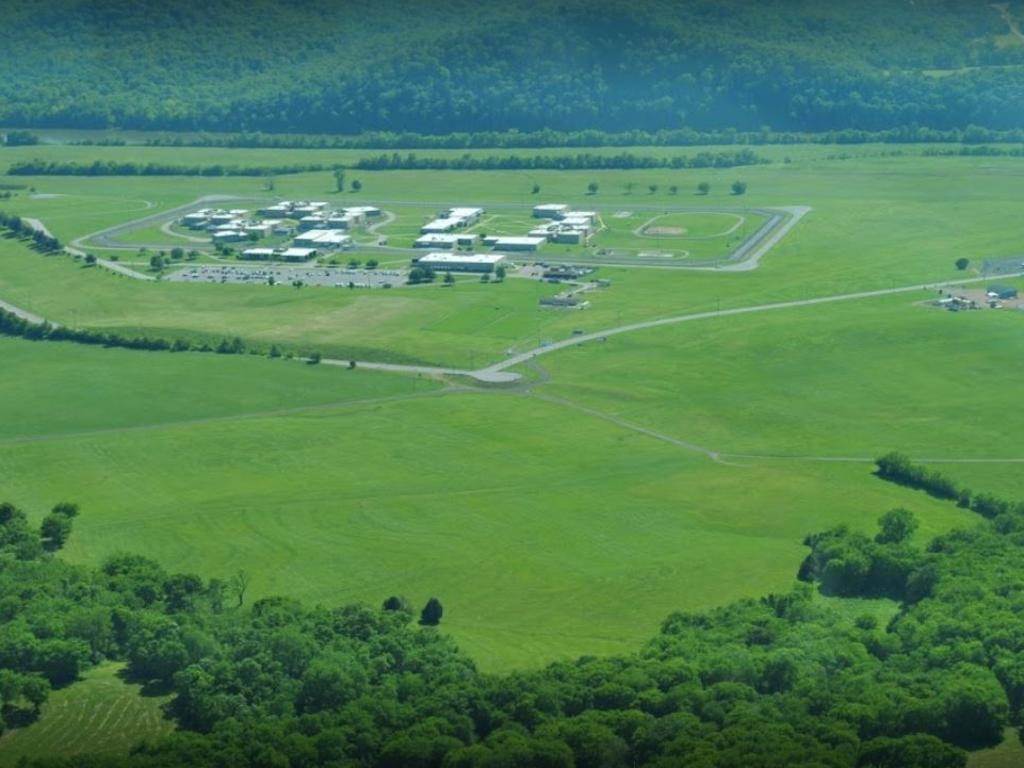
(258, 254)
(519, 243)
(461, 262)
(363, 210)
(228, 236)
(437, 240)
(332, 239)
(550, 211)
(298, 254)
(438, 226)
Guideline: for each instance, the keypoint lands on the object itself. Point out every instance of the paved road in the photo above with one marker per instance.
(23, 313)
(484, 376)
(573, 341)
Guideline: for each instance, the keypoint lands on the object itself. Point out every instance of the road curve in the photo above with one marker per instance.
(522, 357)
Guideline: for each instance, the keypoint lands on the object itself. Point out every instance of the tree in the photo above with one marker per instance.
(315, 358)
(239, 584)
(449, 278)
(629, 187)
(432, 612)
(275, 351)
(500, 272)
(339, 179)
(485, 277)
(673, 189)
(703, 188)
(177, 254)
(962, 263)
(90, 259)
(536, 189)
(652, 188)
(396, 603)
(372, 263)
(739, 188)
(156, 262)
(592, 188)
(357, 185)
(54, 531)
(354, 263)
(896, 526)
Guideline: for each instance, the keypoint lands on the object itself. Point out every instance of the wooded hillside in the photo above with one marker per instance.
(438, 67)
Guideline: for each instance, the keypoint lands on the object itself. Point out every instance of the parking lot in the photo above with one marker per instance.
(244, 274)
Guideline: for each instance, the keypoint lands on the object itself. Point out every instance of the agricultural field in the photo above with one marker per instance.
(99, 714)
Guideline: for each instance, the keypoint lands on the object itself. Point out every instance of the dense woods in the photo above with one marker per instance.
(567, 65)
(780, 681)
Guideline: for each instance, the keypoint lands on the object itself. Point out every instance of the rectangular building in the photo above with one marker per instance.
(298, 254)
(461, 262)
(519, 243)
(549, 211)
(437, 240)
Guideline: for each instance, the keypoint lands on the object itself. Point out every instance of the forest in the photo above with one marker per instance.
(781, 681)
(439, 68)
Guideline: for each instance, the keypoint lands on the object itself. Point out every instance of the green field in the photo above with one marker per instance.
(566, 517)
(99, 714)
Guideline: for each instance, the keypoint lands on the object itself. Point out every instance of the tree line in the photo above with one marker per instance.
(39, 167)
(775, 682)
(16, 226)
(584, 160)
(676, 137)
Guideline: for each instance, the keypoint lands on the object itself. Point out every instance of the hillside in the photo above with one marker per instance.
(438, 67)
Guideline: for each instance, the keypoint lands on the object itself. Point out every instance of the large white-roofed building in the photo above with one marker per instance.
(461, 262)
(528, 243)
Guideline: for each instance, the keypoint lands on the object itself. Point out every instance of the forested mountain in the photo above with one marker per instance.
(438, 66)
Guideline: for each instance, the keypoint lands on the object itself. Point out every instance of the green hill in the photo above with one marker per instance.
(438, 67)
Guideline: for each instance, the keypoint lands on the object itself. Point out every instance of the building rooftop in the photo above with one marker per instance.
(463, 258)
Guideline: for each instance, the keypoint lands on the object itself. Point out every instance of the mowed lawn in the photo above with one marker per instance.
(52, 388)
(546, 533)
(99, 714)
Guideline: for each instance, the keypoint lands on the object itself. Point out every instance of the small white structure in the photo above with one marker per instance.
(466, 216)
(461, 262)
(298, 254)
(228, 236)
(437, 240)
(438, 226)
(519, 243)
(196, 220)
(332, 239)
(363, 210)
(550, 211)
(258, 254)
(281, 210)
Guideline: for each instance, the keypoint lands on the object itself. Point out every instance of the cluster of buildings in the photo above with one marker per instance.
(444, 231)
(561, 225)
(233, 226)
(564, 225)
(319, 227)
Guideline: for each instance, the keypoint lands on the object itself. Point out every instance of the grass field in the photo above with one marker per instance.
(581, 534)
(549, 520)
(99, 714)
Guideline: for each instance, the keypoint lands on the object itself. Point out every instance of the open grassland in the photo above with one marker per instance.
(99, 714)
(850, 379)
(118, 389)
(546, 532)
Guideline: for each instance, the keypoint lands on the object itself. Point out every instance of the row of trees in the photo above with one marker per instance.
(39, 167)
(585, 160)
(14, 325)
(677, 137)
(18, 227)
